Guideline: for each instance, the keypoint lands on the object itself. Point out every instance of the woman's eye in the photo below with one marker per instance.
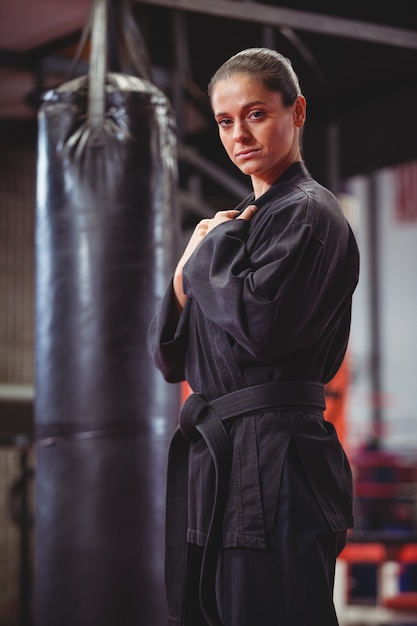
(256, 114)
(224, 122)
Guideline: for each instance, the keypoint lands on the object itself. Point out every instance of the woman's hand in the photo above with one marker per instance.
(200, 231)
(248, 213)
(231, 214)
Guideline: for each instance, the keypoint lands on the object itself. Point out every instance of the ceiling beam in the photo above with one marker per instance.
(205, 166)
(298, 20)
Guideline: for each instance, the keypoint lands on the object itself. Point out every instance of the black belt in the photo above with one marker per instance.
(201, 419)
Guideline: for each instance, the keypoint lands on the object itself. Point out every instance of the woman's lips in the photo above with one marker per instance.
(246, 154)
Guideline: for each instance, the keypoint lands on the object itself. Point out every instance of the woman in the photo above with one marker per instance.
(257, 320)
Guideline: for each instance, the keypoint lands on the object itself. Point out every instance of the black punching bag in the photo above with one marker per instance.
(106, 236)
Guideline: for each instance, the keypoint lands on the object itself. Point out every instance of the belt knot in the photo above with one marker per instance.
(194, 409)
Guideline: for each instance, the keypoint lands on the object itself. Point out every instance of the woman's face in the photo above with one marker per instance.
(259, 134)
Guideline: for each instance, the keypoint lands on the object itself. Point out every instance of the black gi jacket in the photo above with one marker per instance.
(269, 300)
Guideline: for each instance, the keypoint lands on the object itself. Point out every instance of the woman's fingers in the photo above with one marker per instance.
(222, 216)
(248, 213)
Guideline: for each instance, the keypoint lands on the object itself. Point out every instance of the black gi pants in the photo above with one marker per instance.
(290, 583)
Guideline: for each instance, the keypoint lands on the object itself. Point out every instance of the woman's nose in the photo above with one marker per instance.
(240, 132)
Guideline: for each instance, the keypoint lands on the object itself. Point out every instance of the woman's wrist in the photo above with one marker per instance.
(177, 283)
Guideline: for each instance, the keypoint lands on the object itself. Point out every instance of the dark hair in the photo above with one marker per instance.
(273, 69)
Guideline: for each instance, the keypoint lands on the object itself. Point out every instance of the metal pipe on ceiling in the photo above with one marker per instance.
(300, 20)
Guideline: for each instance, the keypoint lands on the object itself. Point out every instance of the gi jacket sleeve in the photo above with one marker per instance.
(276, 292)
(167, 337)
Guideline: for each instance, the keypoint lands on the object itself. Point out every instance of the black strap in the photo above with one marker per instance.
(203, 419)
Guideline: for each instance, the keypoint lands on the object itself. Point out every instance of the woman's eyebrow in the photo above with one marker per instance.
(248, 105)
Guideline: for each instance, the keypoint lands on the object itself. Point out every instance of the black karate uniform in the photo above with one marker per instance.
(269, 302)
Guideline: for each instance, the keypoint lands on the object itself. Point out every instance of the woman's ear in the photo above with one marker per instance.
(300, 106)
